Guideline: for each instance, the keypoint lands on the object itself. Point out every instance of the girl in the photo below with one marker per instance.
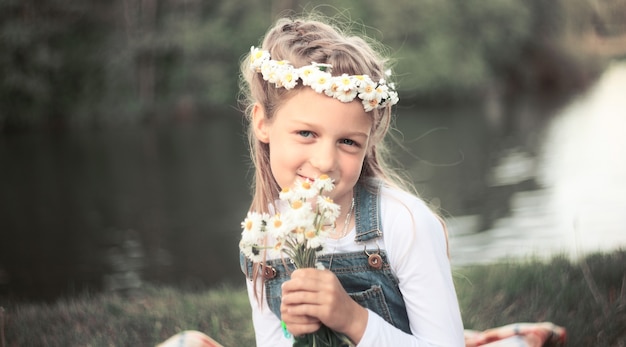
(312, 111)
(319, 104)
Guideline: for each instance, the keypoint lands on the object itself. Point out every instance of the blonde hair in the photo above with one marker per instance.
(301, 42)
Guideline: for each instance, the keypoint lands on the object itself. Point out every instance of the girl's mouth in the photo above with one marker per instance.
(305, 178)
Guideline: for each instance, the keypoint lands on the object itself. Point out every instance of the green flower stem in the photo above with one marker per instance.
(324, 337)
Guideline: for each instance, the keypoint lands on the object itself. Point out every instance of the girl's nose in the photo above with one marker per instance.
(324, 158)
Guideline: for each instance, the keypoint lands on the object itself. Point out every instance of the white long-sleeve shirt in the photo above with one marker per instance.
(415, 242)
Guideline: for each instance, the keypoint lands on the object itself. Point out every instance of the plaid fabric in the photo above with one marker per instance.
(543, 334)
(190, 338)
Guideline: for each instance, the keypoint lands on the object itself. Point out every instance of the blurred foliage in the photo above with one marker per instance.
(128, 61)
(453, 47)
(49, 59)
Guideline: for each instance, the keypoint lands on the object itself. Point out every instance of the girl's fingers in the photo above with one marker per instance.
(311, 280)
(298, 324)
(319, 294)
(302, 329)
(290, 315)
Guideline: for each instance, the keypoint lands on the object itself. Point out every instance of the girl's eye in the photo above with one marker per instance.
(348, 142)
(305, 133)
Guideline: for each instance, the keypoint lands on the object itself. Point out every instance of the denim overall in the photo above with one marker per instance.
(372, 286)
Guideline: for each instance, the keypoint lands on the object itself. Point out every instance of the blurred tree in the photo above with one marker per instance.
(49, 59)
(452, 48)
(551, 60)
(212, 37)
(141, 56)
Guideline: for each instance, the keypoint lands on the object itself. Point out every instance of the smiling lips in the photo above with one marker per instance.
(306, 178)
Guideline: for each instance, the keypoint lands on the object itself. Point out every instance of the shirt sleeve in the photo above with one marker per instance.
(267, 329)
(416, 245)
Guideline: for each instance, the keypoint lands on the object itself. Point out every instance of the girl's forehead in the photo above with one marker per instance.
(310, 107)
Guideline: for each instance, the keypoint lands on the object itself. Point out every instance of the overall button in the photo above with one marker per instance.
(268, 272)
(375, 261)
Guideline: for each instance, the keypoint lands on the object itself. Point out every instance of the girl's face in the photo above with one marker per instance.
(313, 134)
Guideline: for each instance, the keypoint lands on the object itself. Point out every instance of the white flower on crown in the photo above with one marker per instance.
(343, 88)
(368, 91)
(316, 76)
(257, 58)
(319, 77)
(289, 78)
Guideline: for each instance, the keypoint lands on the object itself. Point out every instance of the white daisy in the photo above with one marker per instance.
(320, 81)
(257, 57)
(323, 183)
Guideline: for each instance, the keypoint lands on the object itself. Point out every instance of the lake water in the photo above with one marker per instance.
(579, 205)
(109, 209)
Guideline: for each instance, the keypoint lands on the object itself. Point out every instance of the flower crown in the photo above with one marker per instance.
(318, 76)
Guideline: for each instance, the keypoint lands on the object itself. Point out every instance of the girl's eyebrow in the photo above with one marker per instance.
(358, 133)
(347, 134)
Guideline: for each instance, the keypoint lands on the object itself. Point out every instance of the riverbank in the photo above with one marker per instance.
(587, 297)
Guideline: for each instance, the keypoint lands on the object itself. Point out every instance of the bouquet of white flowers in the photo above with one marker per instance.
(298, 231)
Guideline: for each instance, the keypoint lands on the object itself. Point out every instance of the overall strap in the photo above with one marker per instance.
(367, 214)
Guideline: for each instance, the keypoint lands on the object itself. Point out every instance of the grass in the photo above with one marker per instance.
(587, 297)
(143, 320)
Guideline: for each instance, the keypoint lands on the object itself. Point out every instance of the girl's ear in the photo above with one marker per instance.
(260, 123)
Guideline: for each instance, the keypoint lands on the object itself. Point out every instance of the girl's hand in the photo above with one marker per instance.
(313, 297)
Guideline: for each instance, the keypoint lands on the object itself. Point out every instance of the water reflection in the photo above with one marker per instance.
(581, 171)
